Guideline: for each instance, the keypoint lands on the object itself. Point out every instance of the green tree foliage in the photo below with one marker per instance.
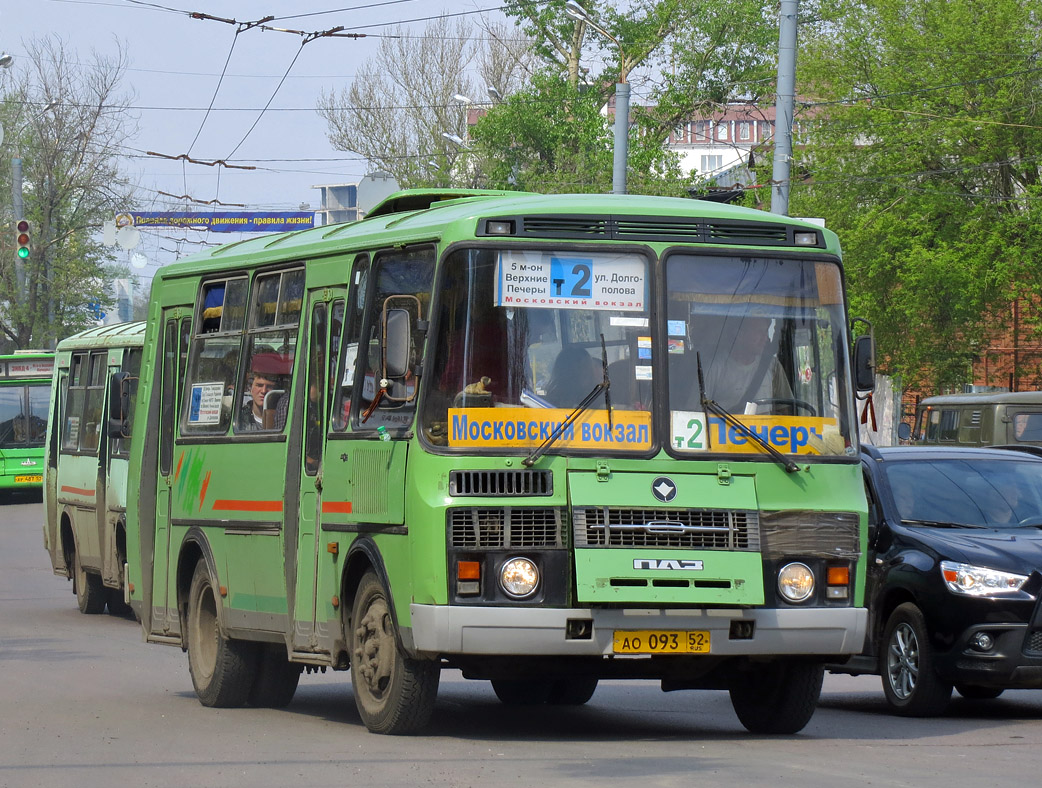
(922, 141)
(63, 115)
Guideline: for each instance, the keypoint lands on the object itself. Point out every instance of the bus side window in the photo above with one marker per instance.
(352, 320)
(76, 384)
(316, 390)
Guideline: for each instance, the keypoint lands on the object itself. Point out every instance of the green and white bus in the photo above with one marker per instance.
(25, 393)
(85, 490)
(508, 434)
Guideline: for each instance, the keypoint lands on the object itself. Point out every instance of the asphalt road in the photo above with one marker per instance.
(85, 702)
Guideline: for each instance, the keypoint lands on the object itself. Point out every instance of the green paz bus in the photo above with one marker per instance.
(509, 434)
(25, 392)
(85, 489)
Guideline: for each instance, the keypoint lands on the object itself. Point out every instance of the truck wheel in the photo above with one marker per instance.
(222, 669)
(90, 592)
(777, 697)
(394, 694)
(276, 680)
(910, 682)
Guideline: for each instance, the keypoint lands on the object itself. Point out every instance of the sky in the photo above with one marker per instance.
(175, 71)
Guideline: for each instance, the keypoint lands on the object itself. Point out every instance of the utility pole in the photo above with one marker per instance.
(784, 103)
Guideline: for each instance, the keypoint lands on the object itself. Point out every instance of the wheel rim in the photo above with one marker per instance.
(902, 661)
(375, 648)
(204, 634)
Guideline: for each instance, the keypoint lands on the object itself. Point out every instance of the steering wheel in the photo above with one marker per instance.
(795, 404)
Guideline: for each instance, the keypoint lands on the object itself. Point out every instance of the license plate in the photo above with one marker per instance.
(654, 641)
(34, 478)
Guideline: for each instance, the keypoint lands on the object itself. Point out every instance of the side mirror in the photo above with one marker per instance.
(864, 363)
(397, 336)
(904, 432)
(119, 405)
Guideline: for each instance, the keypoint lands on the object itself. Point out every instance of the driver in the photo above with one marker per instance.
(745, 375)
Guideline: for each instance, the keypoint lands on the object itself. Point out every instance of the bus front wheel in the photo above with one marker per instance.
(777, 697)
(394, 694)
(222, 669)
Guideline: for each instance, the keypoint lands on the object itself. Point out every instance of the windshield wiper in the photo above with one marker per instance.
(943, 524)
(711, 406)
(581, 408)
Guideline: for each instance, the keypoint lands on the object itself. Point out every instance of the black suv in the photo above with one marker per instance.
(954, 574)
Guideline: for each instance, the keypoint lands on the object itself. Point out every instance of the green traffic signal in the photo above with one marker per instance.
(23, 238)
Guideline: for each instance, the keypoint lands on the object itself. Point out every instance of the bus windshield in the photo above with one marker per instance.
(524, 336)
(23, 416)
(770, 338)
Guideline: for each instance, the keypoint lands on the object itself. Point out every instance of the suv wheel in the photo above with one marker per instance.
(910, 681)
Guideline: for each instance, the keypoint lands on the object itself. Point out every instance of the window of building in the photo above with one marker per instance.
(712, 163)
(744, 130)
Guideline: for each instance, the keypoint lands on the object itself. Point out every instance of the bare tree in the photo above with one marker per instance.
(406, 100)
(68, 121)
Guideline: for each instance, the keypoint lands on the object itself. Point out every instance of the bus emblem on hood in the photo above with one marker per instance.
(664, 489)
(667, 563)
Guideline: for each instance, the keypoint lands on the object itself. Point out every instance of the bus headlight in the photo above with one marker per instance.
(796, 582)
(519, 578)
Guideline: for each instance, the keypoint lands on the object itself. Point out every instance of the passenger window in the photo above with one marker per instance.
(352, 323)
(949, 430)
(271, 342)
(214, 356)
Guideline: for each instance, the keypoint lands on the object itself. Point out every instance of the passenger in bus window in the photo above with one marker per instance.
(251, 417)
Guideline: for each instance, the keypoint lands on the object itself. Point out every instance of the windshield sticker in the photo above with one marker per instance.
(642, 371)
(628, 322)
(630, 430)
(644, 348)
(570, 281)
(693, 431)
(675, 345)
(205, 403)
(676, 328)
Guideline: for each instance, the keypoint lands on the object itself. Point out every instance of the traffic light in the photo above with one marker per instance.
(23, 238)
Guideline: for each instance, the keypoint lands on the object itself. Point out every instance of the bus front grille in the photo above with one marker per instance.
(682, 529)
(513, 527)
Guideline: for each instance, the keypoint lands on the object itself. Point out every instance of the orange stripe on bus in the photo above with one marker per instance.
(247, 506)
(336, 507)
(77, 490)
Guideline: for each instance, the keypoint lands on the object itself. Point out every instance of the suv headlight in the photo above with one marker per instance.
(971, 580)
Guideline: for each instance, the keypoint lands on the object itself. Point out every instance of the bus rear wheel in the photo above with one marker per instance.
(777, 697)
(90, 592)
(276, 680)
(222, 669)
(393, 693)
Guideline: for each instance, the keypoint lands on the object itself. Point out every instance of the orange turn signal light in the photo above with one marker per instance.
(839, 575)
(468, 570)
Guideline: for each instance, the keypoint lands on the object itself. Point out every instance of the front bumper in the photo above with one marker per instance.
(1007, 664)
(516, 631)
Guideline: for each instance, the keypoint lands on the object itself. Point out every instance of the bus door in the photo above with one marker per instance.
(326, 310)
(164, 604)
(126, 360)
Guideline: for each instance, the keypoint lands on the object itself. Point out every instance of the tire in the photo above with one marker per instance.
(117, 606)
(777, 697)
(393, 693)
(571, 692)
(276, 680)
(223, 670)
(522, 692)
(910, 681)
(977, 692)
(90, 592)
